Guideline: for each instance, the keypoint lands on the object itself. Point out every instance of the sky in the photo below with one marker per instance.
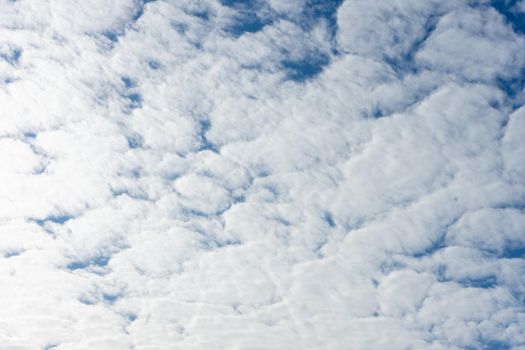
(262, 174)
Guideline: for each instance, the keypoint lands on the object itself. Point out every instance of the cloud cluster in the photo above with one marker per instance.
(262, 174)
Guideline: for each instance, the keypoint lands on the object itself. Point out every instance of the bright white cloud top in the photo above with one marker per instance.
(258, 174)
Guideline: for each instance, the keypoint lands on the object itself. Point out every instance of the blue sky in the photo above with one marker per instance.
(262, 174)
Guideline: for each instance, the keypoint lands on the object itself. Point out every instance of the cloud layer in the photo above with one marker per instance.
(262, 174)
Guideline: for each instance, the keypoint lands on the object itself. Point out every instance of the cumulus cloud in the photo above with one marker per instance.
(262, 174)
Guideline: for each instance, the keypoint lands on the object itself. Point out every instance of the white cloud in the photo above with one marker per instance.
(220, 175)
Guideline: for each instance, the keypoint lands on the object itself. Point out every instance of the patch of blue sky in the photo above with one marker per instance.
(432, 248)
(111, 35)
(154, 64)
(133, 97)
(29, 135)
(135, 100)
(137, 195)
(248, 18)
(128, 82)
(247, 23)
(135, 173)
(250, 3)
(305, 68)
(205, 125)
(484, 283)
(86, 301)
(212, 243)
(202, 14)
(99, 261)
(376, 112)
(490, 344)
(58, 219)
(202, 214)
(8, 80)
(181, 28)
(514, 17)
(12, 56)
(329, 219)
(514, 252)
(131, 317)
(135, 141)
(315, 10)
(512, 86)
(308, 67)
(12, 253)
(111, 298)
(322, 8)
(139, 12)
(50, 346)
(405, 62)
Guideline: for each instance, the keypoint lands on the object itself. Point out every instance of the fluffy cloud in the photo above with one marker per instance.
(262, 174)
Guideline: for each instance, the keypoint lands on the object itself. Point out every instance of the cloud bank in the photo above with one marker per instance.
(262, 174)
